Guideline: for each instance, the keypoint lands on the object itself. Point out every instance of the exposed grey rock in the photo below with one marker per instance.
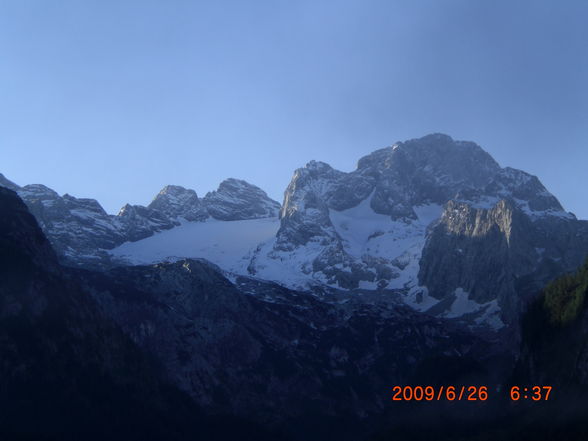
(431, 169)
(66, 368)
(138, 222)
(247, 348)
(429, 217)
(75, 227)
(179, 202)
(256, 348)
(480, 251)
(238, 200)
(394, 181)
(499, 253)
(498, 228)
(80, 230)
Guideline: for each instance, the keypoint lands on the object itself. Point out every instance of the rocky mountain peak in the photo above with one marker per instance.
(126, 210)
(38, 192)
(435, 220)
(434, 217)
(318, 167)
(175, 190)
(232, 186)
(431, 169)
(90, 205)
(434, 159)
(138, 222)
(178, 202)
(236, 199)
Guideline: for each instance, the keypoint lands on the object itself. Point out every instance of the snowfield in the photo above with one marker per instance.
(365, 232)
(225, 243)
(243, 245)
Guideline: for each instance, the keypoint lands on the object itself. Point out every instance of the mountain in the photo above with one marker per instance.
(228, 244)
(239, 200)
(68, 372)
(412, 269)
(178, 351)
(178, 202)
(434, 221)
(76, 227)
(81, 231)
(306, 365)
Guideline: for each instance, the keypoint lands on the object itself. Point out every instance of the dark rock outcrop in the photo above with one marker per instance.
(8, 183)
(499, 253)
(64, 368)
(68, 372)
(279, 356)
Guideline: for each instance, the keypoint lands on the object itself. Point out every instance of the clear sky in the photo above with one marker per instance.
(115, 99)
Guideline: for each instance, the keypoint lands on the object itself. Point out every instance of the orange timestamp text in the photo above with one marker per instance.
(466, 393)
(447, 393)
(535, 393)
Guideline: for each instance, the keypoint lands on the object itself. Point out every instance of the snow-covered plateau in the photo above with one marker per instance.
(228, 244)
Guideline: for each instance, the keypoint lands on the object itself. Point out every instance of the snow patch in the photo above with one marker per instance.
(487, 314)
(292, 269)
(228, 244)
(537, 214)
(461, 305)
(365, 233)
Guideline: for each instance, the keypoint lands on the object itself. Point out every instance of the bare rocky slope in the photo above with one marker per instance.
(166, 347)
(67, 371)
(436, 219)
(433, 221)
(412, 269)
(81, 231)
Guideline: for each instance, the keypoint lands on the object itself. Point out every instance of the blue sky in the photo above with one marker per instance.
(115, 99)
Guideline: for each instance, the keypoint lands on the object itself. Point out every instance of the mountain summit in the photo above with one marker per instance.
(435, 219)
(433, 222)
(81, 231)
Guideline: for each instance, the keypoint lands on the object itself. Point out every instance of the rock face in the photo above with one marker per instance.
(137, 222)
(140, 341)
(435, 218)
(75, 226)
(178, 202)
(65, 368)
(145, 343)
(499, 254)
(239, 200)
(366, 228)
(81, 231)
(262, 351)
